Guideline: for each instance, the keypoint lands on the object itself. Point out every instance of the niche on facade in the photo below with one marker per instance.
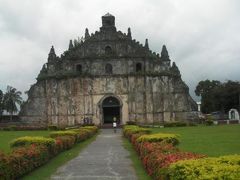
(139, 67)
(79, 68)
(108, 50)
(108, 69)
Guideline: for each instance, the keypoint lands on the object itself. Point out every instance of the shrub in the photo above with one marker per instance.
(129, 130)
(84, 134)
(52, 128)
(209, 122)
(24, 159)
(63, 143)
(158, 163)
(159, 137)
(64, 133)
(131, 123)
(175, 124)
(157, 151)
(192, 124)
(79, 134)
(94, 129)
(225, 167)
(157, 156)
(32, 152)
(5, 168)
(147, 148)
(28, 140)
(10, 128)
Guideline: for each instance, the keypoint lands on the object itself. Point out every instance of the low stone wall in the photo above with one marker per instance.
(226, 122)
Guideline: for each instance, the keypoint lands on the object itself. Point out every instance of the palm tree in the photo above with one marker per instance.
(11, 98)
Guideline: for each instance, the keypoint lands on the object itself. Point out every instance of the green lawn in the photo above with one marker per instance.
(209, 140)
(8, 136)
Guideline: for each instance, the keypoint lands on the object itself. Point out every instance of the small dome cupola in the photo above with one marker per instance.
(108, 22)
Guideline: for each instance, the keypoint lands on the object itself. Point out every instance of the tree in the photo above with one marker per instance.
(206, 90)
(11, 98)
(217, 96)
(231, 92)
(1, 103)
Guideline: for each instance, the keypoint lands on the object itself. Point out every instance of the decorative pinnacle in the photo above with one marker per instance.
(164, 53)
(70, 45)
(86, 33)
(175, 68)
(146, 44)
(129, 34)
(51, 55)
(52, 51)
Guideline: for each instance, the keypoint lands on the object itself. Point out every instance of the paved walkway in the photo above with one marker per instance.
(103, 159)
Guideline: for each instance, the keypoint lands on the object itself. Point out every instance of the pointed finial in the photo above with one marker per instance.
(129, 34)
(174, 65)
(52, 51)
(86, 33)
(164, 53)
(51, 55)
(175, 68)
(146, 44)
(70, 45)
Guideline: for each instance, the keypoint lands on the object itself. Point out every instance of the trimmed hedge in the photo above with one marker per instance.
(28, 140)
(5, 169)
(92, 128)
(31, 152)
(159, 137)
(23, 160)
(28, 158)
(129, 130)
(158, 156)
(175, 124)
(52, 127)
(64, 143)
(63, 133)
(223, 167)
(163, 160)
(74, 134)
(157, 151)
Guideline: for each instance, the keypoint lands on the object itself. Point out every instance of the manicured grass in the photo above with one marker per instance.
(140, 171)
(209, 140)
(44, 172)
(7, 136)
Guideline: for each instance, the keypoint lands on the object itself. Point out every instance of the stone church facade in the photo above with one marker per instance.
(105, 75)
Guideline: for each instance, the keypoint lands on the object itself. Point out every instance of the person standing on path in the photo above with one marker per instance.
(115, 124)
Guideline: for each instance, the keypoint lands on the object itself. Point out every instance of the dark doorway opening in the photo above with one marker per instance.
(111, 109)
(109, 113)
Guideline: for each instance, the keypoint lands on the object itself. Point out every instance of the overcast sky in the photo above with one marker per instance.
(202, 36)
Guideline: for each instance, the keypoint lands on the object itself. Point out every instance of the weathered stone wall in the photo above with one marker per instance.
(66, 102)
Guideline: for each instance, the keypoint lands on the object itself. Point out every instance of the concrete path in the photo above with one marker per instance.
(103, 159)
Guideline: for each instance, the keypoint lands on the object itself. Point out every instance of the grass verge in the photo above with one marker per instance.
(45, 171)
(140, 171)
(210, 140)
(7, 136)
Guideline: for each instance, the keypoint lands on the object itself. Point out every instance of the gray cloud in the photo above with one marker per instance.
(202, 36)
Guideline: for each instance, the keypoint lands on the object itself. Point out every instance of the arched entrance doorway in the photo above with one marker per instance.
(110, 109)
